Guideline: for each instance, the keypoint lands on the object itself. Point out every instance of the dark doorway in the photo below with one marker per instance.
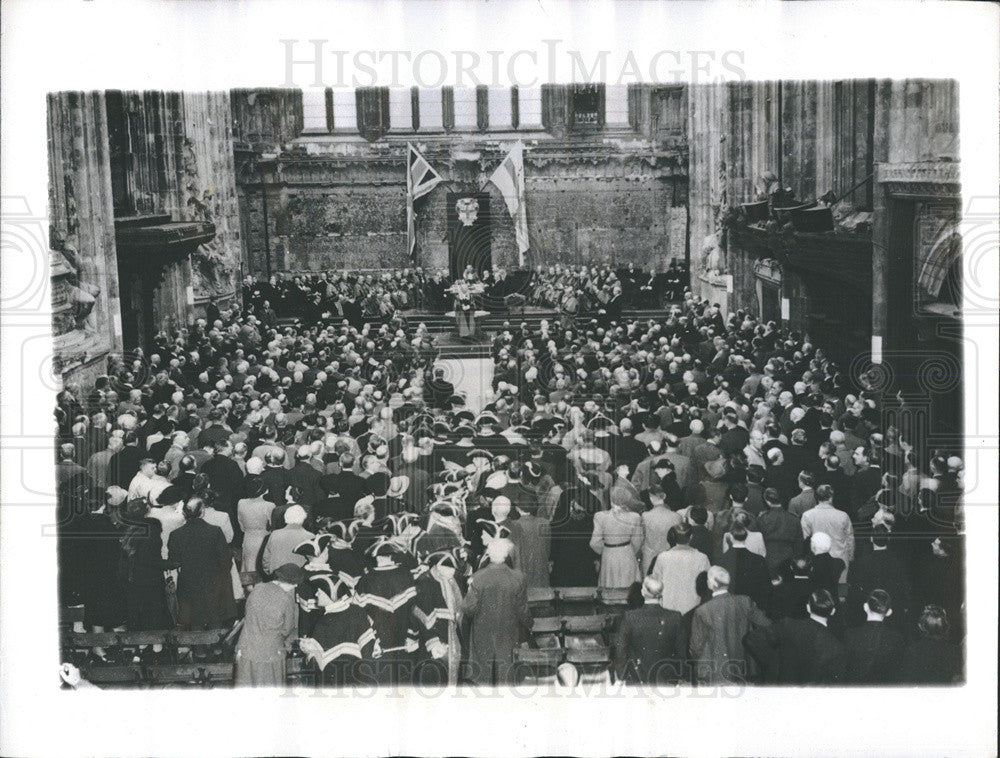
(469, 232)
(770, 305)
(136, 291)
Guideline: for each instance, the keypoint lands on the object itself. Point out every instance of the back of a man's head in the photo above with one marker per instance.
(879, 602)
(194, 508)
(682, 533)
(824, 493)
(821, 604)
(652, 588)
(498, 551)
(718, 578)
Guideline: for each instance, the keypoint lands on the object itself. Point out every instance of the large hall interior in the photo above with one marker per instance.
(503, 307)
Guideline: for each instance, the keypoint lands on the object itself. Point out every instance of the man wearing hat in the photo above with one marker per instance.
(436, 620)
(269, 629)
(342, 642)
(387, 594)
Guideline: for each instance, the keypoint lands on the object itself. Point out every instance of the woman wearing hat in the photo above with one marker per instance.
(617, 538)
(269, 629)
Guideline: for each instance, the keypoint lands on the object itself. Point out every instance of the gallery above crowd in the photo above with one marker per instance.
(771, 516)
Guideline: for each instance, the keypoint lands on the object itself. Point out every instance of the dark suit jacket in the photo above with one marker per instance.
(346, 485)
(748, 574)
(798, 651)
(306, 477)
(651, 645)
(701, 539)
(874, 654)
(204, 584)
(226, 479)
(932, 661)
(276, 480)
(826, 573)
(879, 569)
(788, 599)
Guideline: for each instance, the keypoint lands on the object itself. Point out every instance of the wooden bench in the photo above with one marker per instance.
(546, 633)
(195, 674)
(539, 666)
(593, 663)
(114, 675)
(614, 598)
(578, 600)
(542, 600)
(580, 632)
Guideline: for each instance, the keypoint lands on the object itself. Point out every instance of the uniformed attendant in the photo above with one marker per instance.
(435, 622)
(343, 641)
(387, 594)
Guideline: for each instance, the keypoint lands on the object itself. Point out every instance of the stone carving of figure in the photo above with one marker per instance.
(713, 256)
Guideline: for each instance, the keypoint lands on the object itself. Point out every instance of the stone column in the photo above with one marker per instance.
(82, 226)
(208, 185)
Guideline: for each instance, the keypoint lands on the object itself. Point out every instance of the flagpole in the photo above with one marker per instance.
(410, 222)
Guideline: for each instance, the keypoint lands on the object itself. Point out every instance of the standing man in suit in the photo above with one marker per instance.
(874, 650)
(801, 651)
(651, 644)
(305, 476)
(441, 390)
(204, 586)
(497, 605)
(806, 499)
(884, 569)
(748, 571)
(718, 627)
(781, 531)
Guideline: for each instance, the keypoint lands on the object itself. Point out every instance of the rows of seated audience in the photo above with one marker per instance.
(321, 485)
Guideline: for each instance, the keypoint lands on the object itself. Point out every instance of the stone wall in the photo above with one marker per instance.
(816, 137)
(340, 202)
(182, 164)
(82, 234)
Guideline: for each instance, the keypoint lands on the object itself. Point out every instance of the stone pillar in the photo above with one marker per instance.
(82, 227)
(208, 184)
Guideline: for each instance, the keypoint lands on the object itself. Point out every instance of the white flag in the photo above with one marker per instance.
(420, 179)
(509, 179)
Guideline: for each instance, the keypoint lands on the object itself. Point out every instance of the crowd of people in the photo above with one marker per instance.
(770, 516)
(384, 294)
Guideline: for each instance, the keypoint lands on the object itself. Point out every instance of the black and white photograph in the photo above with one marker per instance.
(482, 376)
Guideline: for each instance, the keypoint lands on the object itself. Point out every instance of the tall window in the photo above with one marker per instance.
(430, 109)
(345, 111)
(529, 107)
(465, 111)
(400, 109)
(314, 114)
(500, 108)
